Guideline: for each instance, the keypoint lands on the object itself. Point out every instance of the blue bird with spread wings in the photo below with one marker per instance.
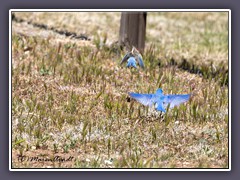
(160, 100)
(133, 59)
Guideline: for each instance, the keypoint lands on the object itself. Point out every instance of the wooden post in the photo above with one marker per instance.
(133, 30)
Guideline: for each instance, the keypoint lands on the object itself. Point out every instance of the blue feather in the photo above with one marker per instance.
(160, 100)
(133, 59)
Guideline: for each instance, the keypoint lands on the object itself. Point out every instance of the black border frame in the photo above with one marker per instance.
(122, 169)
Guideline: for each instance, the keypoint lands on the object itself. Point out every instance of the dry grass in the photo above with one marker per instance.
(69, 97)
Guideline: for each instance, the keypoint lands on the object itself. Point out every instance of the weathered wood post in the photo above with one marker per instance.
(133, 29)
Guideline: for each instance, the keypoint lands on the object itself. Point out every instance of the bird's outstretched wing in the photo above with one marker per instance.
(138, 57)
(175, 100)
(126, 57)
(145, 99)
(140, 61)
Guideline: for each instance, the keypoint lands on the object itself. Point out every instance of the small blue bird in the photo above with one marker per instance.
(160, 100)
(133, 58)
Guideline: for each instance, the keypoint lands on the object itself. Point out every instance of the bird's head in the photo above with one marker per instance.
(159, 91)
(135, 51)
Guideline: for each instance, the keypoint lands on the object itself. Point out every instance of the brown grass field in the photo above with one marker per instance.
(70, 103)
